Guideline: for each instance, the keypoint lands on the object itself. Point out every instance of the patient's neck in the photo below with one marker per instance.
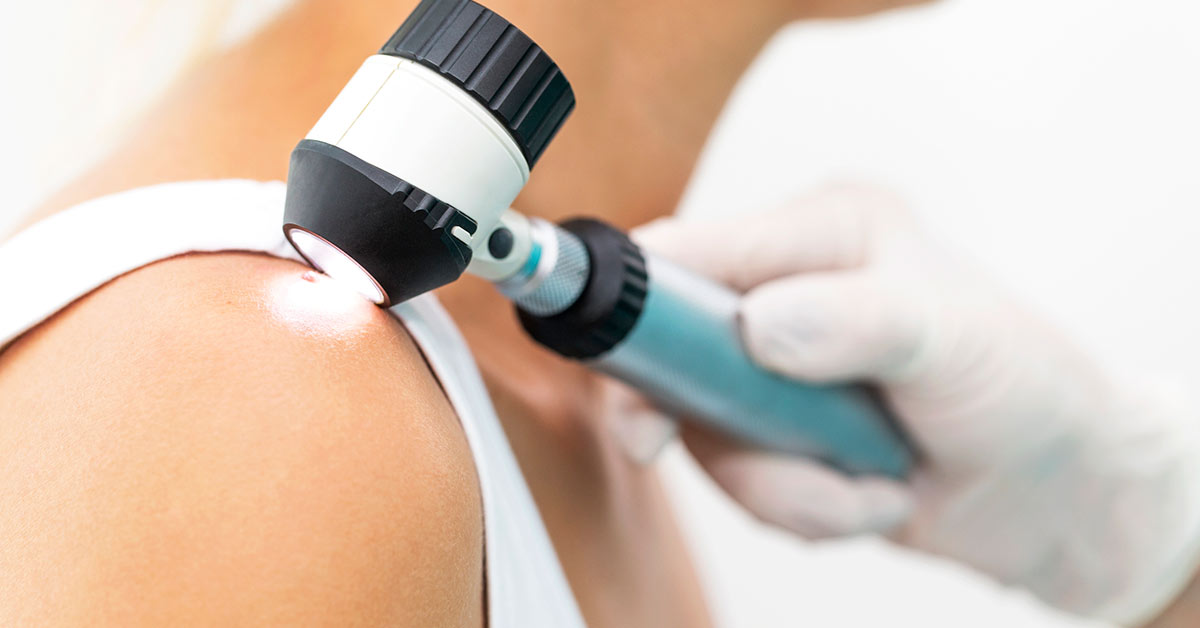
(646, 103)
(650, 78)
(646, 100)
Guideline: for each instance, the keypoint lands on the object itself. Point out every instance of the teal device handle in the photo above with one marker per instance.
(593, 295)
(685, 352)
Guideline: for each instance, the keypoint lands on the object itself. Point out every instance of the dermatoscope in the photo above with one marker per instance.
(406, 182)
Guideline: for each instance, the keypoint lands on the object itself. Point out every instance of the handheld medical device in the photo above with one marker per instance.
(406, 182)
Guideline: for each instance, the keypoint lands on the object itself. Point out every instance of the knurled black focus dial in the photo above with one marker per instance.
(495, 62)
(611, 302)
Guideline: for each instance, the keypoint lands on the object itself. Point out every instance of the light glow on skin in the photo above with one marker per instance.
(316, 305)
(336, 301)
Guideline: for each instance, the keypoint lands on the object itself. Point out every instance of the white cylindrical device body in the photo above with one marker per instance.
(410, 121)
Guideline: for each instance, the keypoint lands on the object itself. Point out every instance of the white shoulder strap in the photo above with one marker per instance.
(50, 265)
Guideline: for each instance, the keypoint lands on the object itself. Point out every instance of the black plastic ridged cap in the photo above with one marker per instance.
(611, 302)
(493, 61)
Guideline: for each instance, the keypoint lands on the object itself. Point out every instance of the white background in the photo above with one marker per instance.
(1058, 141)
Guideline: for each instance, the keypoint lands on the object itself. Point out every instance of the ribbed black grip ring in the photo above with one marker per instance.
(493, 61)
(611, 302)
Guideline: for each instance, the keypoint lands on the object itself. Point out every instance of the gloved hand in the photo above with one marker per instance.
(1036, 468)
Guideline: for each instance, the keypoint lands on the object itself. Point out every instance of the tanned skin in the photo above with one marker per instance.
(239, 115)
(157, 473)
(229, 440)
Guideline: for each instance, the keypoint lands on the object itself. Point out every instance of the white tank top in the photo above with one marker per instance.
(71, 253)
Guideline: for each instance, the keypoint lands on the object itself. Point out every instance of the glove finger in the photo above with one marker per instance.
(829, 230)
(797, 494)
(833, 326)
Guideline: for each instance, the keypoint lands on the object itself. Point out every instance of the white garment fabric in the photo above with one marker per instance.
(72, 253)
(133, 51)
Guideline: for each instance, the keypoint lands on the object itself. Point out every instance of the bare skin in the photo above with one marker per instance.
(1184, 612)
(206, 458)
(238, 115)
(608, 518)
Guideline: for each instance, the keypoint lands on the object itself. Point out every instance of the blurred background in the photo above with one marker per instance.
(1056, 141)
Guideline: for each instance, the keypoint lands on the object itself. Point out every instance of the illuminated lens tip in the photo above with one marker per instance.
(332, 261)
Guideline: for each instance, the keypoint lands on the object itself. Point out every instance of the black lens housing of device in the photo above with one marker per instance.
(397, 233)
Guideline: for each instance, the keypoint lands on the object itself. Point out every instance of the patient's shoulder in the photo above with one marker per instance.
(228, 438)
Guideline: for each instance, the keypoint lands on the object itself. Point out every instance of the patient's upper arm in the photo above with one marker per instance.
(221, 439)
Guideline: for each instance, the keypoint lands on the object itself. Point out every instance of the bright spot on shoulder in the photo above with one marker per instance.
(317, 305)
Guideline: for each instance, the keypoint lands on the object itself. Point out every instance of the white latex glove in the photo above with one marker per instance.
(1036, 468)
